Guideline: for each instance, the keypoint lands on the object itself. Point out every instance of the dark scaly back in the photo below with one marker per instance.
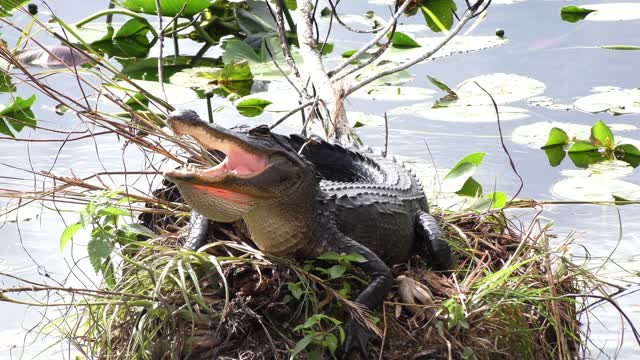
(374, 198)
(341, 170)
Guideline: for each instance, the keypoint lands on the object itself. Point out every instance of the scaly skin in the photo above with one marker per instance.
(313, 197)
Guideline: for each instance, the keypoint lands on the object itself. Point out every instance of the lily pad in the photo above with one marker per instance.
(233, 77)
(255, 18)
(547, 102)
(393, 93)
(359, 21)
(282, 96)
(459, 44)
(504, 88)
(615, 101)
(261, 64)
(175, 95)
(397, 78)
(357, 119)
(613, 12)
(595, 188)
(464, 114)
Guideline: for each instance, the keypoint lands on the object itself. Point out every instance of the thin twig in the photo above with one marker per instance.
(504, 146)
(375, 40)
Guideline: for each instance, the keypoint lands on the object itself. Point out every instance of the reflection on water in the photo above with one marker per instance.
(541, 46)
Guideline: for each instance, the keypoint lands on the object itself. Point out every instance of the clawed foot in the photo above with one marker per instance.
(357, 339)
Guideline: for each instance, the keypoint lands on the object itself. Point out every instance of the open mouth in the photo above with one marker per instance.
(236, 163)
(240, 160)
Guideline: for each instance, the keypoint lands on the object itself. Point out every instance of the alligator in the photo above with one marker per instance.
(303, 197)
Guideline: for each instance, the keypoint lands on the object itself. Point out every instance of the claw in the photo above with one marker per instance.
(357, 339)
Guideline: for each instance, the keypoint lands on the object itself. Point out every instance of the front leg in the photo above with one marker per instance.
(429, 241)
(372, 296)
(198, 231)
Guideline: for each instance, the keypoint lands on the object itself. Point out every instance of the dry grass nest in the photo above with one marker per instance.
(509, 297)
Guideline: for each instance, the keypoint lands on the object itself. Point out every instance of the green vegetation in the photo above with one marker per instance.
(599, 147)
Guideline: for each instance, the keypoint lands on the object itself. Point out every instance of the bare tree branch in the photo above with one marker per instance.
(468, 15)
(391, 23)
(279, 17)
(335, 13)
(314, 67)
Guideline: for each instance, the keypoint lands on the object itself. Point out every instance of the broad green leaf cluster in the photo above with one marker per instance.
(599, 147)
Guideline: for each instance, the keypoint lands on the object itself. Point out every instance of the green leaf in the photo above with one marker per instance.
(17, 115)
(456, 178)
(403, 41)
(494, 200)
(169, 8)
(252, 107)
(325, 12)
(628, 153)
(582, 146)
(621, 200)
(296, 290)
(556, 137)
(349, 53)
(61, 109)
(139, 229)
(583, 159)
(574, 14)
(302, 344)
(442, 86)
(470, 188)
(255, 18)
(113, 211)
(133, 28)
(68, 233)
(601, 135)
(458, 175)
(98, 249)
(6, 86)
(147, 69)
(555, 154)
(137, 101)
(331, 342)
(291, 4)
(327, 48)
(6, 6)
(620, 47)
(130, 47)
(262, 64)
(232, 78)
(354, 258)
(474, 158)
(438, 14)
(337, 271)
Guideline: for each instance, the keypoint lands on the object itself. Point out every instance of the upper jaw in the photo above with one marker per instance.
(210, 136)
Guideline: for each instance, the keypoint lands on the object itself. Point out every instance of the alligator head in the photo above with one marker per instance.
(261, 178)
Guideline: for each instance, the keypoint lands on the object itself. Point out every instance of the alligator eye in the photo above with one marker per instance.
(262, 130)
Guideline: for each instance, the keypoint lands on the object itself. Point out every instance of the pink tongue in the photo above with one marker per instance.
(244, 163)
